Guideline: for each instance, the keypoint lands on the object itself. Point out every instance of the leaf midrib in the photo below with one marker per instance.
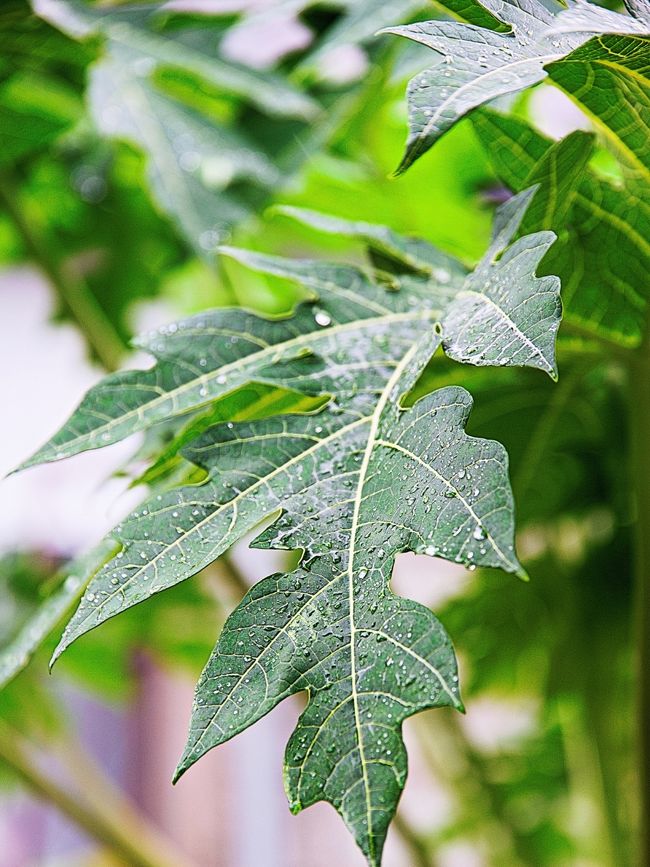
(358, 499)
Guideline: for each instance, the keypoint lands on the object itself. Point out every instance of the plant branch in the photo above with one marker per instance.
(102, 812)
(412, 841)
(640, 418)
(72, 291)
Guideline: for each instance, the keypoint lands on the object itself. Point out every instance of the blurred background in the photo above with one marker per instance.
(134, 141)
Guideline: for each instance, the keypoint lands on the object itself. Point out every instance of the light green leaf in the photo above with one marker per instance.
(603, 254)
(16, 655)
(195, 163)
(609, 78)
(557, 175)
(358, 23)
(134, 31)
(191, 160)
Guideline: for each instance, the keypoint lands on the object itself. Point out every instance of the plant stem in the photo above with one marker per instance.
(110, 821)
(412, 841)
(81, 304)
(640, 417)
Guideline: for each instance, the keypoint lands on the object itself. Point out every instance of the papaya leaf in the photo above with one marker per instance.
(351, 483)
(609, 78)
(367, 658)
(605, 296)
(479, 64)
(135, 30)
(207, 356)
(504, 314)
(191, 160)
(493, 316)
(404, 254)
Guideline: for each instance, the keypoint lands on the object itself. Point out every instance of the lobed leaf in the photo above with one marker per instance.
(351, 483)
(367, 659)
(609, 78)
(479, 64)
(197, 166)
(504, 314)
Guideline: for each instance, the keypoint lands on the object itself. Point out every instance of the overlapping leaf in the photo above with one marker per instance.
(480, 64)
(609, 77)
(210, 355)
(602, 292)
(351, 485)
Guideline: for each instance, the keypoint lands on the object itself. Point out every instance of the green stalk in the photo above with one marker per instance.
(102, 812)
(412, 841)
(72, 291)
(640, 417)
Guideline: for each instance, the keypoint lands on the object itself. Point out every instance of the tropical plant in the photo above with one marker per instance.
(333, 425)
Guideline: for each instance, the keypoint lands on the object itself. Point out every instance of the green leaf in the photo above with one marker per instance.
(493, 315)
(404, 254)
(609, 78)
(640, 9)
(208, 356)
(503, 314)
(479, 65)
(15, 656)
(197, 165)
(472, 12)
(602, 291)
(134, 30)
(191, 160)
(367, 658)
(557, 175)
(351, 485)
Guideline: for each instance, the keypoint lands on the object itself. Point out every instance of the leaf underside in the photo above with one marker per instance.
(603, 252)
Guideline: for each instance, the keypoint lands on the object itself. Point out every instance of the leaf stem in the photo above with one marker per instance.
(71, 289)
(640, 418)
(102, 812)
